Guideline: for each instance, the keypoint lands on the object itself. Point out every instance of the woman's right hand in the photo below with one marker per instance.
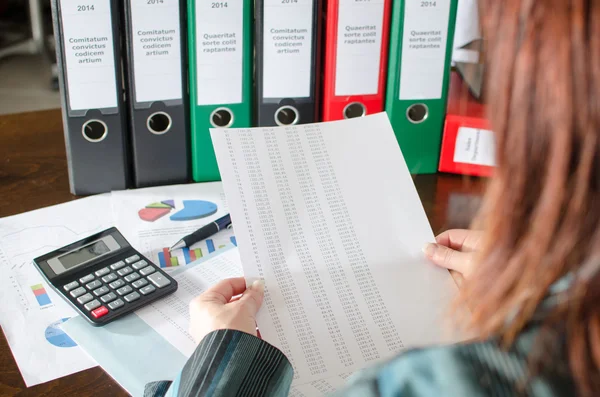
(455, 250)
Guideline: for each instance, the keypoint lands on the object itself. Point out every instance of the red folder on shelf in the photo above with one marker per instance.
(468, 143)
(356, 53)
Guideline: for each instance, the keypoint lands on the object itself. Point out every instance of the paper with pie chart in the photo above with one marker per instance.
(152, 219)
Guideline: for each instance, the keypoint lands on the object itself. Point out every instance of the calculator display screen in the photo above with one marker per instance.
(84, 254)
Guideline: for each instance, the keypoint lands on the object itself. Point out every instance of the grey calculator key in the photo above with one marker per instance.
(85, 298)
(117, 265)
(132, 277)
(147, 270)
(108, 297)
(140, 283)
(147, 289)
(116, 304)
(124, 271)
(86, 279)
(140, 264)
(131, 297)
(101, 291)
(159, 280)
(102, 272)
(94, 284)
(92, 305)
(71, 285)
(109, 278)
(78, 292)
(133, 258)
(117, 284)
(124, 290)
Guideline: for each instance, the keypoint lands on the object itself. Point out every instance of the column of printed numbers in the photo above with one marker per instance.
(301, 246)
(345, 229)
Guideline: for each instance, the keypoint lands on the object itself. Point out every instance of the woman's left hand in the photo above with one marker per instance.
(216, 309)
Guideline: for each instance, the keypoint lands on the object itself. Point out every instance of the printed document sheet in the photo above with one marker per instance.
(328, 215)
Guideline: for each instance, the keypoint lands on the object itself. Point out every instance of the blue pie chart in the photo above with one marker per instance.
(57, 337)
(194, 209)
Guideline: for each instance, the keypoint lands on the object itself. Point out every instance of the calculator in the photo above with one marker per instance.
(103, 277)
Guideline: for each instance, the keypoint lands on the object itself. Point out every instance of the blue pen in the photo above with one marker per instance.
(204, 232)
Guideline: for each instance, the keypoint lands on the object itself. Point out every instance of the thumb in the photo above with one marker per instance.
(252, 298)
(447, 257)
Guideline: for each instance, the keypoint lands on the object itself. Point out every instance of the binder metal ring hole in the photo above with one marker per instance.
(94, 130)
(354, 109)
(417, 113)
(221, 118)
(159, 123)
(286, 115)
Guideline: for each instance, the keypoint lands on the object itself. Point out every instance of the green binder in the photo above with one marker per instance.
(421, 40)
(220, 69)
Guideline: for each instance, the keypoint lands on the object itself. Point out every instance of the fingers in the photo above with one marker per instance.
(253, 297)
(449, 258)
(224, 290)
(459, 239)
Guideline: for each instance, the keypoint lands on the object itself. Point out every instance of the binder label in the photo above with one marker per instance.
(89, 54)
(475, 146)
(156, 36)
(219, 51)
(287, 48)
(424, 49)
(358, 52)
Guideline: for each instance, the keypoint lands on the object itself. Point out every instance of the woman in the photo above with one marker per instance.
(532, 276)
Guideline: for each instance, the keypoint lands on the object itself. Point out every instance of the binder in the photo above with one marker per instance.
(220, 72)
(421, 39)
(468, 144)
(288, 58)
(91, 89)
(356, 50)
(155, 40)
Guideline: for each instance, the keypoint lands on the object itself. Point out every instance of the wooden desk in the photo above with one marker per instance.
(33, 174)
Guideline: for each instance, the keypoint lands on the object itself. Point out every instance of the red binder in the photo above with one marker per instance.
(468, 145)
(356, 53)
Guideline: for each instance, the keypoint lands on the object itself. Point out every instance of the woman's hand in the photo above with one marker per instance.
(455, 250)
(216, 309)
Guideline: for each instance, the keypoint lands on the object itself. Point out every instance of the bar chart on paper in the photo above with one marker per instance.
(184, 256)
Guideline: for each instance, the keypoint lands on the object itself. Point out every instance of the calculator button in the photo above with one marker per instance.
(116, 304)
(86, 279)
(78, 292)
(140, 264)
(147, 270)
(109, 278)
(71, 285)
(108, 297)
(99, 312)
(140, 283)
(102, 272)
(133, 258)
(124, 271)
(117, 284)
(132, 277)
(117, 265)
(92, 305)
(147, 289)
(101, 291)
(131, 297)
(85, 298)
(94, 284)
(159, 280)
(124, 290)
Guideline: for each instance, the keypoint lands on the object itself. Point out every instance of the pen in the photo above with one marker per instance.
(204, 232)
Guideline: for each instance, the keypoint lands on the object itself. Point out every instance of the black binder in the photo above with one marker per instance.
(288, 58)
(90, 80)
(157, 94)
